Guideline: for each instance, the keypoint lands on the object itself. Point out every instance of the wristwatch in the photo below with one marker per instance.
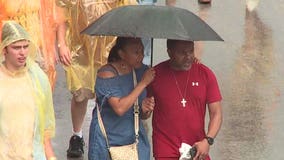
(210, 140)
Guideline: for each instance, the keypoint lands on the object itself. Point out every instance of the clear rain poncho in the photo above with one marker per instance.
(44, 125)
(88, 53)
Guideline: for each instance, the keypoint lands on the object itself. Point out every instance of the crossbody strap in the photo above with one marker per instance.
(101, 124)
(136, 117)
(136, 110)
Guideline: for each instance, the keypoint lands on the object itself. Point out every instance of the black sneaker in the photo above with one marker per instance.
(76, 147)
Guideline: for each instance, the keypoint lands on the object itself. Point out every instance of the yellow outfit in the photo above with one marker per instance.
(40, 19)
(17, 106)
(24, 116)
(26, 106)
(88, 53)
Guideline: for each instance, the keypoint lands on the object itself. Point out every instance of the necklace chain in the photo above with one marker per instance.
(183, 101)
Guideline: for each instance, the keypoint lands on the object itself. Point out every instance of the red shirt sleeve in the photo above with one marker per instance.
(213, 91)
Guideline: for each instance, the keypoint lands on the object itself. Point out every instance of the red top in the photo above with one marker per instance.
(173, 123)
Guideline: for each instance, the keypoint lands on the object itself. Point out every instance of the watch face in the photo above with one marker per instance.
(210, 140)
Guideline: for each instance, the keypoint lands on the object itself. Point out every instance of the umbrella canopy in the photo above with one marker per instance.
(150, 21)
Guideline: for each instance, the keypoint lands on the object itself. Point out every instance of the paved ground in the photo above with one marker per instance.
(249, 68)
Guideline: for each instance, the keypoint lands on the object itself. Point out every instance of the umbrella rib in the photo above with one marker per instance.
(180, 23)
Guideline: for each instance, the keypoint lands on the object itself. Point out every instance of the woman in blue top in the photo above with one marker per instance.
(116, 95)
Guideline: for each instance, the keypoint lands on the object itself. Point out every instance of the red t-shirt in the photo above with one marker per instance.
(172, 122)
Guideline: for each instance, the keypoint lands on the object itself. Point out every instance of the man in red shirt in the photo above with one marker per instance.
(182, 89)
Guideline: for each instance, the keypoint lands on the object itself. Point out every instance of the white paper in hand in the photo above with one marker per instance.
(184, 151)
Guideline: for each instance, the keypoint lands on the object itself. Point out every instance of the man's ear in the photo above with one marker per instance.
(4, 51)
(169, 53)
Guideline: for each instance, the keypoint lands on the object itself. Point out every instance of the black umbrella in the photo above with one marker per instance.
(150, 21)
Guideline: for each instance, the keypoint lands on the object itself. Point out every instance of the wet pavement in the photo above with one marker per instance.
(249, 69)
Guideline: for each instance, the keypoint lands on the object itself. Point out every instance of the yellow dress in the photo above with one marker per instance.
(88, 53)
(39, 18)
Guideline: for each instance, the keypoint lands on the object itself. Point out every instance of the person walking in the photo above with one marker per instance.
(43, 20)
(87, 55)
(182, 89)
(27, 121)
(116, 95)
